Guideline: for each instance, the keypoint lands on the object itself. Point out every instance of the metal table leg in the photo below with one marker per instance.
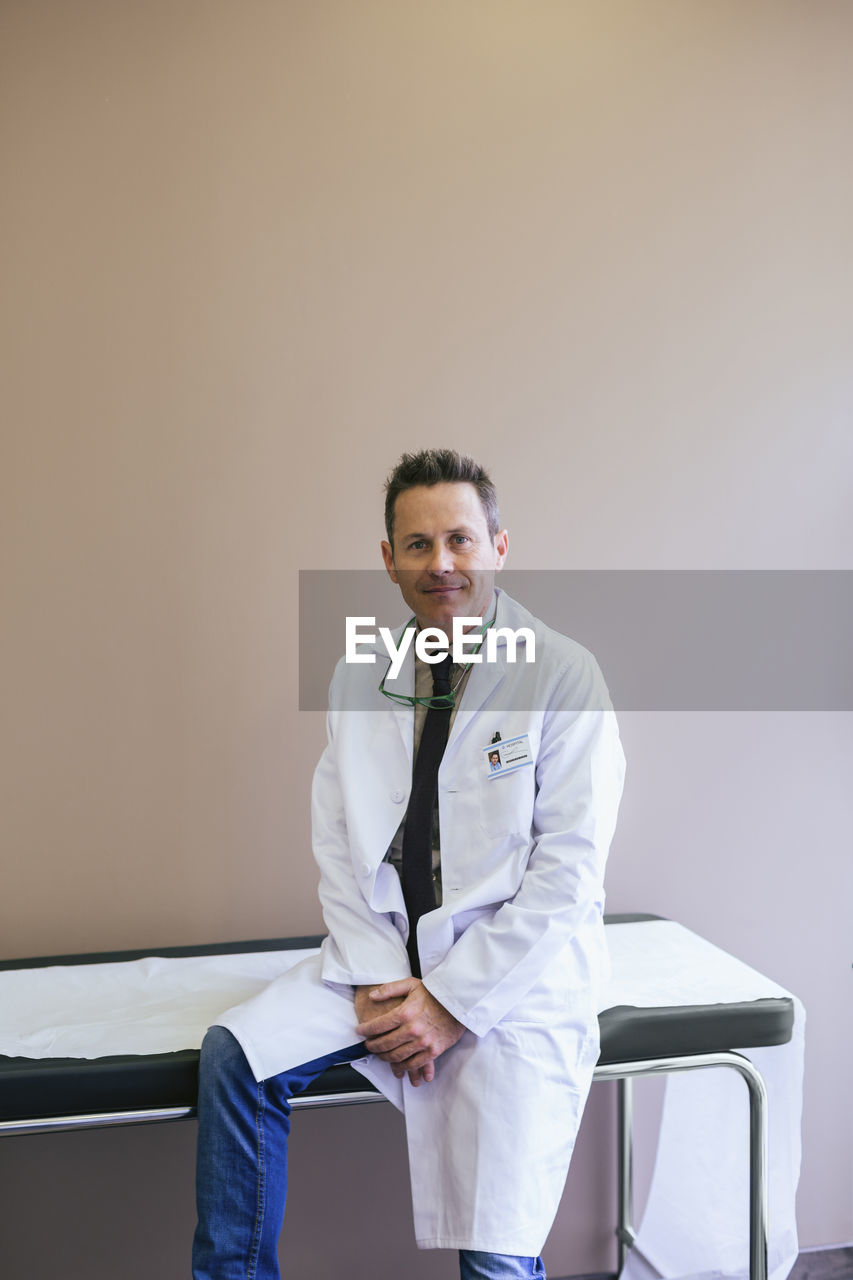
(625, 1234)
(623, 1072)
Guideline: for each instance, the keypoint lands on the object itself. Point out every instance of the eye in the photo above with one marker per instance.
(461, 537)
(416, 546)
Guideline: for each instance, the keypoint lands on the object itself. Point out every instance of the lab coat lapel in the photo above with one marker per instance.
(484, 679)
(400, 712)
(403, 717)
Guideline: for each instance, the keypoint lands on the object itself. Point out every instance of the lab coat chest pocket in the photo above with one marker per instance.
(506, 802)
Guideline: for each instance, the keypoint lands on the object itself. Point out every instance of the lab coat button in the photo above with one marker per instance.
(365, 868)
(398, 796)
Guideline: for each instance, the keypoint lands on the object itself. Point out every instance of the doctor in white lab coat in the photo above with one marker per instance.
(490, 1053)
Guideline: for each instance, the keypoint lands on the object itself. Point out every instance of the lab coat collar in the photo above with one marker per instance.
(485, 677)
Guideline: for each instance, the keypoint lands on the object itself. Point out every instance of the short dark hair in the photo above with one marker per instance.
(440, 466)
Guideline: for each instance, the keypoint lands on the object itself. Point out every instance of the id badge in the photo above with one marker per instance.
(505, 757)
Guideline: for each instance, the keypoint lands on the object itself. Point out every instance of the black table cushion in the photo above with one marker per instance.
(45, 1088)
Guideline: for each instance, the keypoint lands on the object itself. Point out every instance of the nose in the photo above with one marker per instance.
(441, 559)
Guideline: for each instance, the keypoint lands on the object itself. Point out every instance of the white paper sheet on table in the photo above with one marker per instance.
(156, 1005)
(695, 1226)
(159, 1005)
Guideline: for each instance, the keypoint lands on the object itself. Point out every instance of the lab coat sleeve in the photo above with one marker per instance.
(556, 912)
(363, 946)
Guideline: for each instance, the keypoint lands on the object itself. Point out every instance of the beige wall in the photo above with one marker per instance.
(253, 251)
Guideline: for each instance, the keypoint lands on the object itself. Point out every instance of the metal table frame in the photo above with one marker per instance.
(623, 1073)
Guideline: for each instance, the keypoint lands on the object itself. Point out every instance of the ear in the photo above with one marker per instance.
(388, 557)
(501, 548)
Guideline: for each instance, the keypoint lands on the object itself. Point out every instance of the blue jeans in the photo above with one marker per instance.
(241, 1171)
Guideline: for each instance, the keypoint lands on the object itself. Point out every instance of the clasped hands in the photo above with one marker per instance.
(402, 1023)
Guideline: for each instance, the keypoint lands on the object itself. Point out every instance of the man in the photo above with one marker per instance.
(465, 944)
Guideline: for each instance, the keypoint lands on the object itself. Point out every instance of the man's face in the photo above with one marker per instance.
(443, 559)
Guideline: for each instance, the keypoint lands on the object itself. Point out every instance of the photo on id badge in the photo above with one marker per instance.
(500, 758)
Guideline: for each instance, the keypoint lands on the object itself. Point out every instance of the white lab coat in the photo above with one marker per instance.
(516, 951)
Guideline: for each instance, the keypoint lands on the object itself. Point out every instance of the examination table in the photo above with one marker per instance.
(675, 1004)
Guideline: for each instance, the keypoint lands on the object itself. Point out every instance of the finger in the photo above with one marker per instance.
(400, 1021)
(413, 1036)
(400, 1070)
(416, 1062)
(392, 1048)
(420, 1075)
(392, 990)
(409, 1054)
(379, 1026)
(399, 1054)
(392, 1055)
(416, 1037)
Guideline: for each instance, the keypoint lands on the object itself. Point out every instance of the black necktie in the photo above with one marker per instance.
(418, 887)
